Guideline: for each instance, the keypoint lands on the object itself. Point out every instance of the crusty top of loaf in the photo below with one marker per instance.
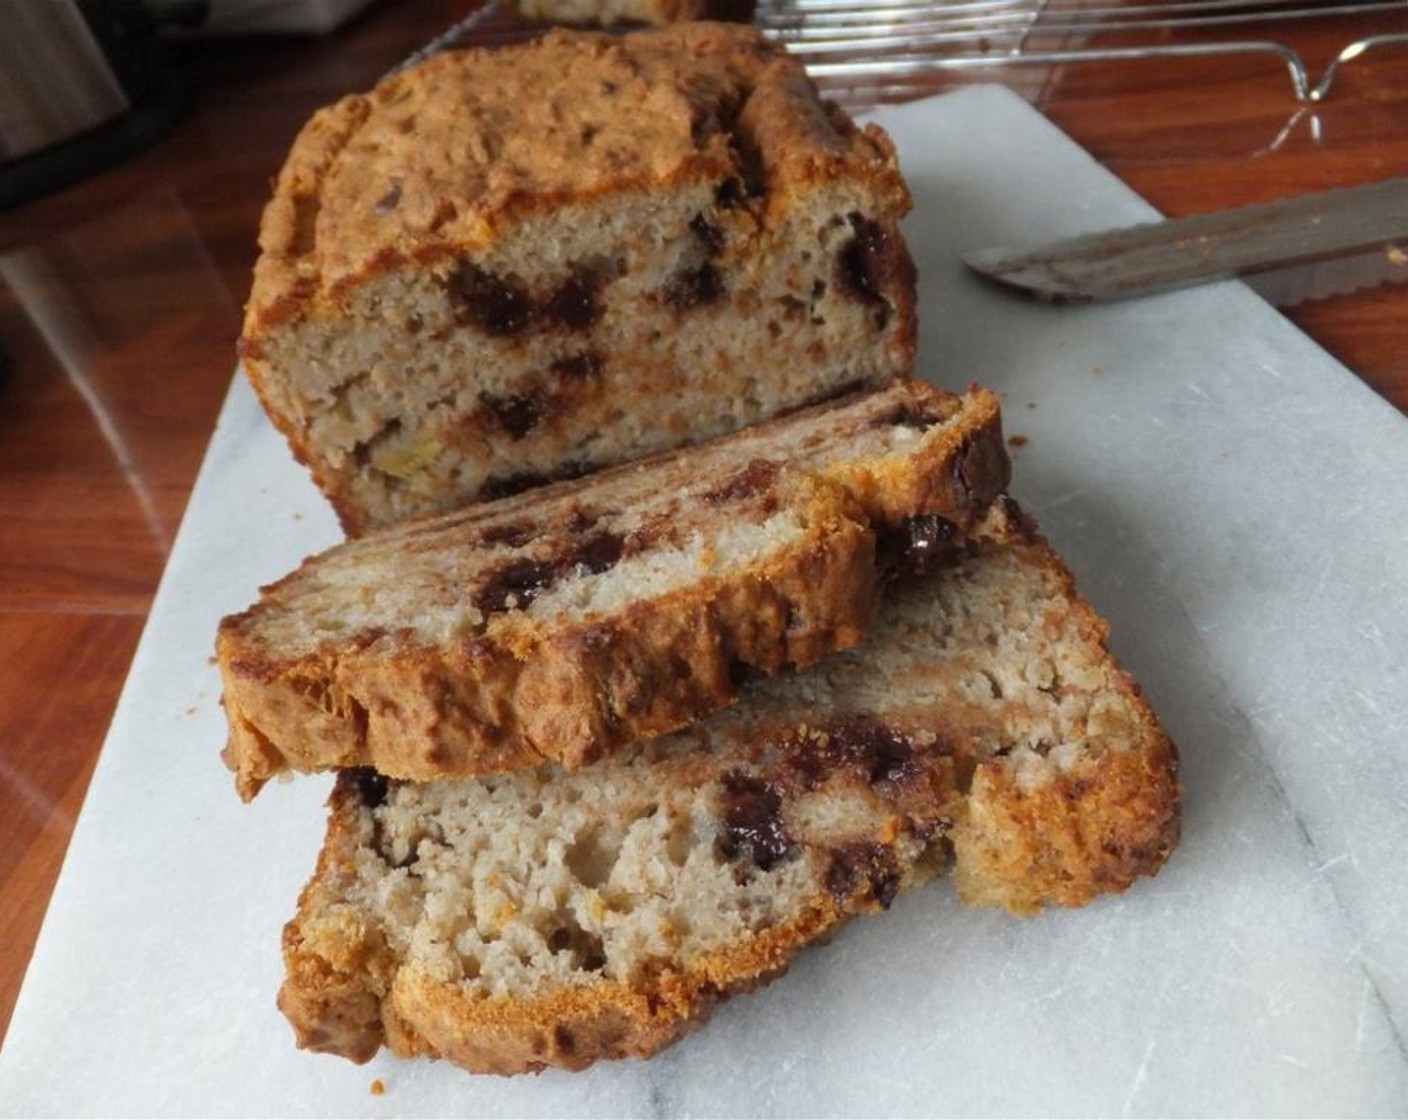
(443, 158)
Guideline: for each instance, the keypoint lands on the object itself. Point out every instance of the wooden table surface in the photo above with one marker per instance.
(120, 303)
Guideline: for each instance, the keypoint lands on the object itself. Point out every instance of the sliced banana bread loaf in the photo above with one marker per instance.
(554, 918)
(568, 622)
(505, 267)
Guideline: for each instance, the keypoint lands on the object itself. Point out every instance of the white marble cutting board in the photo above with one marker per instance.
(1234, 501)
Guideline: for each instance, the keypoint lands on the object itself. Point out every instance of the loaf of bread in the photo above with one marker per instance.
(608, 13)
(568, 622)
(506, 267)
(553, 918)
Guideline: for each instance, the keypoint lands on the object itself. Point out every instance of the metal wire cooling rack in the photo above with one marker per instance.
(873, 49)
(884, 43)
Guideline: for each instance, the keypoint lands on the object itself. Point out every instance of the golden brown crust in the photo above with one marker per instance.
(571, 1028)
(465, 154)
(659, 667)
(1061, 834)
(1079, 836)
(1091, 830)
(956, 473)
(509, 702)
(348, 996)
(328, 994)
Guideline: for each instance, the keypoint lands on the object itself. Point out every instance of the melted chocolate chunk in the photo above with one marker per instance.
(695, 287)
(740, 673)
(752, 819)
(866, 263)
(881, 754)
(514, 534)
(593, 957)
(516, 413)
(861, 865)
(982, 469)
(371, 787)
(757, 476)
(888, 752)
(495, 305)
(517, 584)
(922, 542)
(598, 552)
(578, 367)
(524, 580)
(708, 233)
(504, 306)
(574, 305)
(506, 486)
(731, 192)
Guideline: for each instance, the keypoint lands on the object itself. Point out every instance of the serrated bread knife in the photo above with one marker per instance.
(1361, 231)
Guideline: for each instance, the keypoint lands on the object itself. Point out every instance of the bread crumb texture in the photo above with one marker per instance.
(557, 918)
(568, 254)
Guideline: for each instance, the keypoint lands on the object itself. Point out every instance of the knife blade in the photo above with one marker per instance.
(1369, 221)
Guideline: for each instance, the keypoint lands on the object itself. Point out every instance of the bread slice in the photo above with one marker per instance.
(568, 622)
(553, 919)
(505, 267)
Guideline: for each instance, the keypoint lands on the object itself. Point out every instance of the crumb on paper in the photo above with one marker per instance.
(298, 517)
(1395, 255)
(378, 1087)
(1017, 440)
(1031, 404)
(191, 710)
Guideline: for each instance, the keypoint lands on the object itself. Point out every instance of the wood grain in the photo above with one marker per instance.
(120, 302)
(60, 674)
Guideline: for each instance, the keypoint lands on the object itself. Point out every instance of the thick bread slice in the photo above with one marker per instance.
(553, 918)
(577, 619)
(505, 267)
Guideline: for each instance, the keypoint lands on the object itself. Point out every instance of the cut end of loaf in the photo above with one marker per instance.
(690, 243)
